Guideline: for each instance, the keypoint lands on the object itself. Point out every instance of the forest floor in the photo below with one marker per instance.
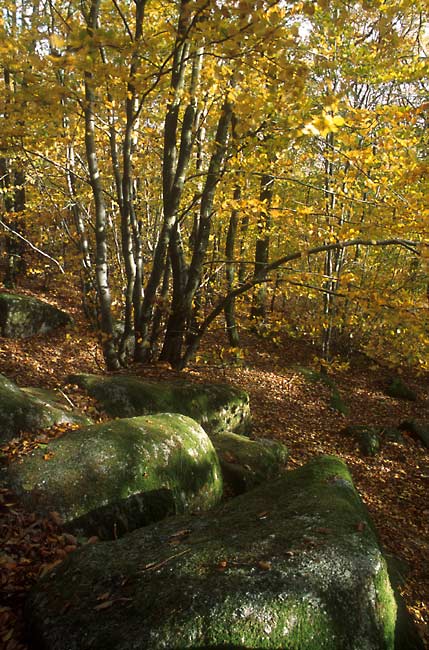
(286, 406)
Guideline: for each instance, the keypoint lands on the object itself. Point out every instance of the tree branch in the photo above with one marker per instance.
(31, 245)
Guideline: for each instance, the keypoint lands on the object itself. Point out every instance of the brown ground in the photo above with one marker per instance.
(285, 406)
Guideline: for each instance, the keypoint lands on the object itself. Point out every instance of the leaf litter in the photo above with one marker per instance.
(285, 406)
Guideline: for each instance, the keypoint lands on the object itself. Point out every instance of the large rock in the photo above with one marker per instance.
(246, 463)
(292, 564)
(24, 316)
(419, 430)
(217, 407)
(110, 478)
(29, 409)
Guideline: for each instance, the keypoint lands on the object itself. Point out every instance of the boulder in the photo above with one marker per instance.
(246, 463)
(110, 478)
(398, 389)
(29, 409)
(368, 438)
(419, 430)
(293, 564)
(24, 316)
(217, 407)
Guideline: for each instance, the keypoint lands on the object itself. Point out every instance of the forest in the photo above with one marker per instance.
(215, 193)
(191, 160)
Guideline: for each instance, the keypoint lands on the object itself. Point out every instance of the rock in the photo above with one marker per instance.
(217, 407)
(24, 316)
(29, 409)
(110, 478)
(390, 434)
(292, 564)
(246, 463)
(400, 390)
(418, 429)
(118, 333)
(367, 437)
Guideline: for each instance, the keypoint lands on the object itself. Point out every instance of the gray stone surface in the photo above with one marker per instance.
(110, 478)
(246, 463)
(30, 409)
(217, 407)
(24, 316)
(293, 564)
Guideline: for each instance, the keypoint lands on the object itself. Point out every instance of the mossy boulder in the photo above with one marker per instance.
(419, 430)
(25, 316)
(217, 407)
(246, 463)
(293, 564)
(368, 438)
(399, 389)
(29, 409)
(110, 478)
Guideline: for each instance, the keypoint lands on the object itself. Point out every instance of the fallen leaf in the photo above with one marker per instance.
(265, 565)
(105, 605)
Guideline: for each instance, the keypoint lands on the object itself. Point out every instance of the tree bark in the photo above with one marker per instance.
(258, 309)
(102, 265)
(230, 319)
(182, 314)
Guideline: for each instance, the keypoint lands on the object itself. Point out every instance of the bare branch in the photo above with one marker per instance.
(31, 245)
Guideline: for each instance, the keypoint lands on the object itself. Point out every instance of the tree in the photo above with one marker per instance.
(160, 135)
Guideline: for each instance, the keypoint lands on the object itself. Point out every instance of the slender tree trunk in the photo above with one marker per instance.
(175, 165)
(262, 247)
(231, 323)
(176, 330)
(102, 265)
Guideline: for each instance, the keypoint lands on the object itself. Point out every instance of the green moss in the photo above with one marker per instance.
(126, 471)
(246, 463)
(400, 390)
(293, 564)
(25, 316)
(386, 605)
(217, 407)
(336, 402)
(28, 409)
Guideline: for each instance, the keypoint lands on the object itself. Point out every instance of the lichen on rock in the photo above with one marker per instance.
(110, 478)
(217, 407)
(25, 316)
(29, 409)
(292, 564)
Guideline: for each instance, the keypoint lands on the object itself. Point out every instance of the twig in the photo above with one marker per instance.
(152, 566)
(66, 398)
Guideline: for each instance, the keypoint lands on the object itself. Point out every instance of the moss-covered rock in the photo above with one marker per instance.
(29, 409)
(24, 316)
(418, 429)
(109, 478)
(367, 437)
(400, 390)
(217, 407)
(293, 564)
(246, 463)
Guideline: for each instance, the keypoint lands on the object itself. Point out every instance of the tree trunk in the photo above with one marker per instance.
(174, 337)
(258, 309)
(173, 171)
(102, 266)
(231, 323)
